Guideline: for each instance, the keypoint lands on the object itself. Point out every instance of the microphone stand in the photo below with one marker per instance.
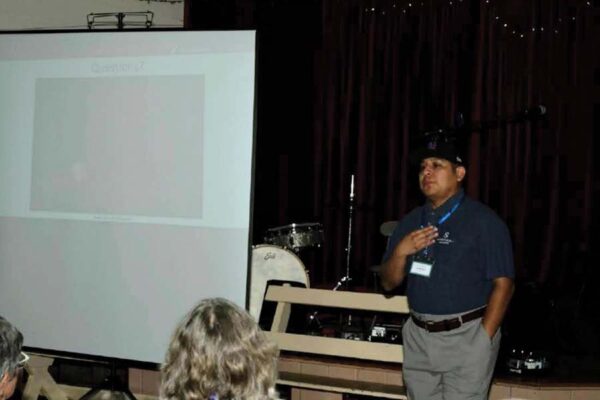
(532, 114)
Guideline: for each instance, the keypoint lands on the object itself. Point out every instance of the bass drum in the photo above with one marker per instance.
(272, 263)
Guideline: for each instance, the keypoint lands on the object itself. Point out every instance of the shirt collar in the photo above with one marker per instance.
(448, 204)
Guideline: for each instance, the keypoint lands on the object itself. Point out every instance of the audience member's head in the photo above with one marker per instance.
(219, 352)
(11, 341)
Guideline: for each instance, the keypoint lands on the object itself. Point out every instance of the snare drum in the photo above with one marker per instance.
(272, 263)
(296, 236)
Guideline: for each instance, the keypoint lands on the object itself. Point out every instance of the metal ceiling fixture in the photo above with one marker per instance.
(120, 20)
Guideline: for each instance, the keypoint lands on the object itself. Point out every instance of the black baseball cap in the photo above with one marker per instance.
(438, 146)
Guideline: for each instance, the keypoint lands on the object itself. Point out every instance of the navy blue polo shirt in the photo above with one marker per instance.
(473, 248)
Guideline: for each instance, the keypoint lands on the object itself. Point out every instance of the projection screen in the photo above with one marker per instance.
(125, 184)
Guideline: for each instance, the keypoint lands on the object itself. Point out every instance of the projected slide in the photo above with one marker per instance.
(125, 184)
(153, 167)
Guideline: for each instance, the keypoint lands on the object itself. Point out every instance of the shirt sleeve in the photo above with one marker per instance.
(497, 250)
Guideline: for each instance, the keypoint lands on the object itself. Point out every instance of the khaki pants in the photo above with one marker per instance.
(452, 365)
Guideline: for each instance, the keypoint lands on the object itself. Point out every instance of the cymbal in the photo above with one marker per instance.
(375, 269)
(387, 228)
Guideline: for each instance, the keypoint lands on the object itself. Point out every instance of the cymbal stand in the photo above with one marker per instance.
(345, 280)
(341, 282)
(313, 318)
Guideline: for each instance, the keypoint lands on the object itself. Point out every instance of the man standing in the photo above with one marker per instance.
(11, 358)
(456, 255)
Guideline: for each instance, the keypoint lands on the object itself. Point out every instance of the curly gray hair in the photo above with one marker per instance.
(11, 341)
(219, 352)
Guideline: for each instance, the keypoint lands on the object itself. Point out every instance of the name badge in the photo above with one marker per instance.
(421, 268)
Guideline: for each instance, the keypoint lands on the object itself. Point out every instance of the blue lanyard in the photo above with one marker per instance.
(444, 217)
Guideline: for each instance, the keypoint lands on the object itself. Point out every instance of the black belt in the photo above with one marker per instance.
(448, 324)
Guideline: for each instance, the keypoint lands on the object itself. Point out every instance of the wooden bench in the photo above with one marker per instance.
(336, 377)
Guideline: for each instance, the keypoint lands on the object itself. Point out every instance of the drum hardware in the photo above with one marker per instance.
(352, 332)
(345, 280)
(342, 281)
(313, 318)
(351, 328)
(314, 326)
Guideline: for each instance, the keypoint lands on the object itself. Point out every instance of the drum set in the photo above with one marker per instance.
(277, 262)
(278, 259)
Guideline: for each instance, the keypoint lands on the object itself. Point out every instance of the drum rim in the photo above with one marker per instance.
(294, 226)
(256, 246)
